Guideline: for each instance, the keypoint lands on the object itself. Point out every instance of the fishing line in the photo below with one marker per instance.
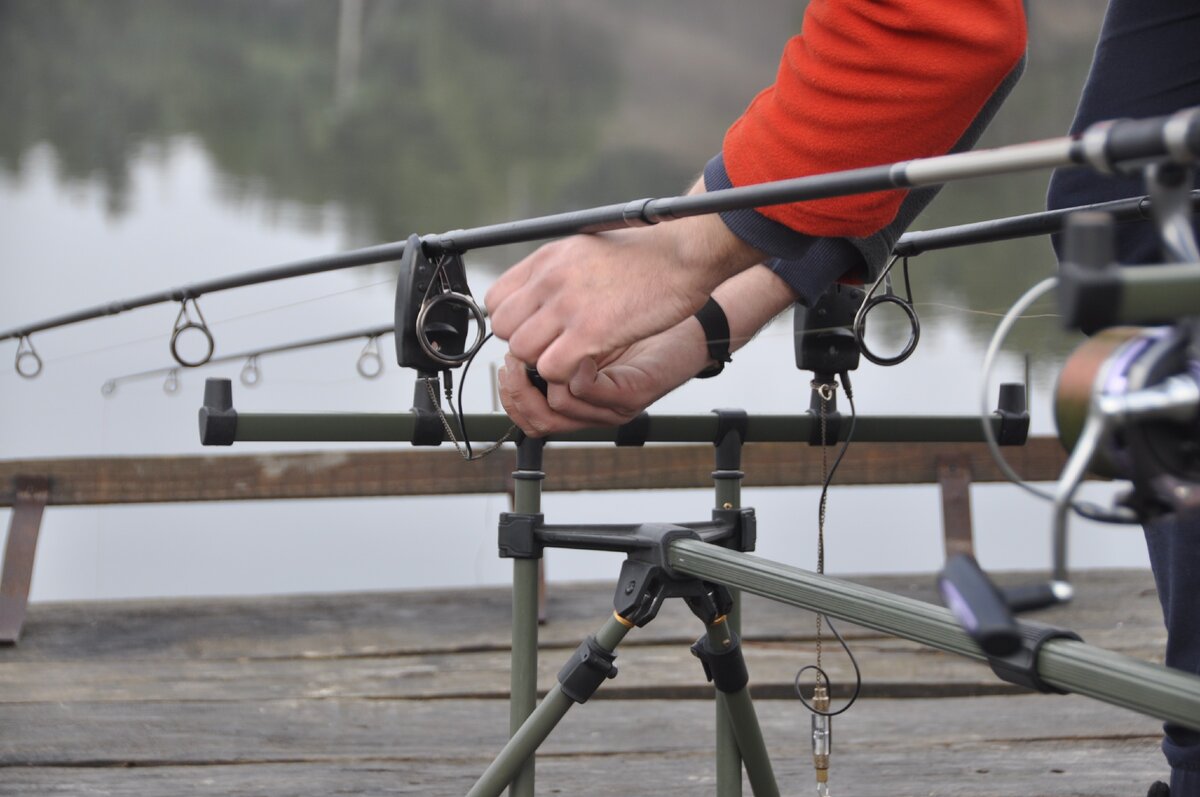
(299, 302)
(464, 447)
(989, 313)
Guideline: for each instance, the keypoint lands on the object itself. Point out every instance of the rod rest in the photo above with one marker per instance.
(1010, 646)
(218, 418)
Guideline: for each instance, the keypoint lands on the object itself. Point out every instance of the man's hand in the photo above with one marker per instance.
(609, 393)
(589, 296)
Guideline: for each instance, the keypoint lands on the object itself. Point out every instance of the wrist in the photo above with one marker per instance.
(715, 328)
(706, 248)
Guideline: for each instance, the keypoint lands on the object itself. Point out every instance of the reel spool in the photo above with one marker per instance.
(1141, 384)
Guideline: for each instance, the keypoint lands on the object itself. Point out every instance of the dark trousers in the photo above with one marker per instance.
(1147, 63)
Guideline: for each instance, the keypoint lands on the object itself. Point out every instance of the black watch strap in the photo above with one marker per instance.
(716, 337)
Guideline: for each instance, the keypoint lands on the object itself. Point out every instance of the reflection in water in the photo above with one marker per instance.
(435, 114)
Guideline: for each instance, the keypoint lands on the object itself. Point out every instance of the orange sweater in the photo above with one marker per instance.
(870, 82)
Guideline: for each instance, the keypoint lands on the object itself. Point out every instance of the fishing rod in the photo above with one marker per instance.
(1028, 225)
(1108, 147)
(369, 364)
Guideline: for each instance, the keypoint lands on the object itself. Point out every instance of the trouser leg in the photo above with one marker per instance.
(1147, 63)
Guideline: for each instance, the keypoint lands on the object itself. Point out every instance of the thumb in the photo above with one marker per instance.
(584, 378)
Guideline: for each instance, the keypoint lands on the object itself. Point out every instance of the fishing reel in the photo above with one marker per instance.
(1128, 400)
(434, 311)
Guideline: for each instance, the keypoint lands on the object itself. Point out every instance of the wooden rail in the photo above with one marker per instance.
(30, 485)
(347, 474)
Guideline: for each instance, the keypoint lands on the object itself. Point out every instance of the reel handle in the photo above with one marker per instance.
(979, 606)
(536, 379)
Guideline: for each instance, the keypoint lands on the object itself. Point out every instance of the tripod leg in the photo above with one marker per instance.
(523, 678)
(729, 760)
(720, 651)
(527, 498)
(744, 722)
(522, 744)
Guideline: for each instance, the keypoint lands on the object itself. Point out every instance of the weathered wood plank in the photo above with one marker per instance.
(344, 474)
(979, 746)
(890, 668)
(316, 695)
(1113, 608)
(1103, 769)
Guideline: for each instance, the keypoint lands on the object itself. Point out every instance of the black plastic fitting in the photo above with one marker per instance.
(427, 424)
(589, 666)
(745, 528)
(517, 537)
(731, 434)
(1014, 415)
(833, 418)
(1089, 280)
(635, 432)
(1021, 667)
(218, 418)
(529, 457)
(726, 669)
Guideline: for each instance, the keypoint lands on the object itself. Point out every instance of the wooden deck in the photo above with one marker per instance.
(404, 693)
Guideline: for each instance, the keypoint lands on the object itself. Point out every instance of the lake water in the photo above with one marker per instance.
(145, 146)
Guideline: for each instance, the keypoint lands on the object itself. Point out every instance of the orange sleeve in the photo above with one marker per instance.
(870, 82)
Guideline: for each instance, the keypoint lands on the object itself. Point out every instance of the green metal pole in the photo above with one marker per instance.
(1141, 686)
(736, 712)
(524, 742)
(727, 484)
(527, 498)
(1169, 291)
(398, 427)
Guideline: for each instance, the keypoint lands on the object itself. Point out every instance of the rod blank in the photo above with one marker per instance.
(1023, 226)
(1103, 146)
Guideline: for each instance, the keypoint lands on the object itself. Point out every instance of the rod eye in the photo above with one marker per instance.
(427, 333)
(28, 362)
(250, 376)
(370, 364)
(914, 330)
(209, 344)
(184, 322)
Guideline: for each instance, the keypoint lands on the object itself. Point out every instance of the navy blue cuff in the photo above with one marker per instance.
(762, 233)
(809, 265)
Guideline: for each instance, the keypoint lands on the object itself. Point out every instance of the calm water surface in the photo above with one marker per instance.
(149, 145)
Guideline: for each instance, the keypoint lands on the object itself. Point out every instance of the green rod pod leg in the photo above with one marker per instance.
(525, 741)
(740, 718)
(527, 498)
(727, 484)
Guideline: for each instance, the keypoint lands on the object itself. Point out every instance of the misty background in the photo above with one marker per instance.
(147, 145)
